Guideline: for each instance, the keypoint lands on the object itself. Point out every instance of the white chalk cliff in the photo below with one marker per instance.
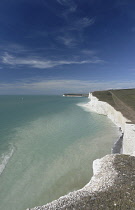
(117, 118)
(112, 187)
(113, 183)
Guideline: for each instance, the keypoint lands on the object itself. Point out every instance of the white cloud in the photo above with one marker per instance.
(72, 8)
(13, 47)
(60, 86)
(76, 23)
(69, 7)
(82, 23)
(85, 22)
(67, 41)
(42, 63)
(70, 4)
(62, 2)
(89, 52)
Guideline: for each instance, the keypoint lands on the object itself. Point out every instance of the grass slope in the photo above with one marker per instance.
(122, 100)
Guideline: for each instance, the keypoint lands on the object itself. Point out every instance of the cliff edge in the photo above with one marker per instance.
(111, 187)
(120, 108)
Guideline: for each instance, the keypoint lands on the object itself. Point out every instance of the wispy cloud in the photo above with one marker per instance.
(43, 63)
(89, 52)
(70, 7)
(73, 21)
(72, 33)
(63, 2)
(12, 47)
(68, 41)
(68, 3)
(81, 23)
(58, 86)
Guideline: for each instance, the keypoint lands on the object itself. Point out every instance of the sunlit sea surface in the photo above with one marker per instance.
(47, 146)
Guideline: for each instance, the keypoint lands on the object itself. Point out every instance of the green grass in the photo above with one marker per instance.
(122, 100)
(127, 96)
(104, 96)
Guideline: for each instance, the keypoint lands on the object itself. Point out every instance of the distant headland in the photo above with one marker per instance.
(76, 94)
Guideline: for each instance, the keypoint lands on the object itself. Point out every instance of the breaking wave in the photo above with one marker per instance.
(4, 159)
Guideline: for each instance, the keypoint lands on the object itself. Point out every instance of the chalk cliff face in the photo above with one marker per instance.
(129, 139)
(113, 183)
(117, 118)
(104, 108)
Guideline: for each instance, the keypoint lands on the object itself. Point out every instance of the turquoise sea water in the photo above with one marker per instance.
(47, 145)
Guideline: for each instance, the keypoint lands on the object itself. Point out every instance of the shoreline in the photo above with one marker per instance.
(117, 145)
(112, 184)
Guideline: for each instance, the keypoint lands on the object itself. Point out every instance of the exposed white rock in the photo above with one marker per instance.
(118, 119)
(104, 108)
(113, 184)
(129, 139)
(96, 166)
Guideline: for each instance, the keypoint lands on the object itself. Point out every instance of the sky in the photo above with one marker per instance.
(66, 46)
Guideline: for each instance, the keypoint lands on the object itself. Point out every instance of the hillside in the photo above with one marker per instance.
(122, 100)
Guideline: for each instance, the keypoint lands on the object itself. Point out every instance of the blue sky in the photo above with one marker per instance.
(58, 46)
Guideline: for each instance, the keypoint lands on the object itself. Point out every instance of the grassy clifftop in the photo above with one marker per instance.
(122, 100)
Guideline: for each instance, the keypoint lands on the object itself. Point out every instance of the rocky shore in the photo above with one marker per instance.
(112, 186)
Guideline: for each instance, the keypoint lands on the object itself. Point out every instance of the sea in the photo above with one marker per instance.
(47, 146)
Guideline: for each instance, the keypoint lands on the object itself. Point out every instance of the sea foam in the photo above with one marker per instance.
(5, 158)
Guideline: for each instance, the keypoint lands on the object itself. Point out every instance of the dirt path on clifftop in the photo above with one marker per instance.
(126, 110)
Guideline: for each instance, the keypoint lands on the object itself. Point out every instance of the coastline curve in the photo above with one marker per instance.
(113, 183)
